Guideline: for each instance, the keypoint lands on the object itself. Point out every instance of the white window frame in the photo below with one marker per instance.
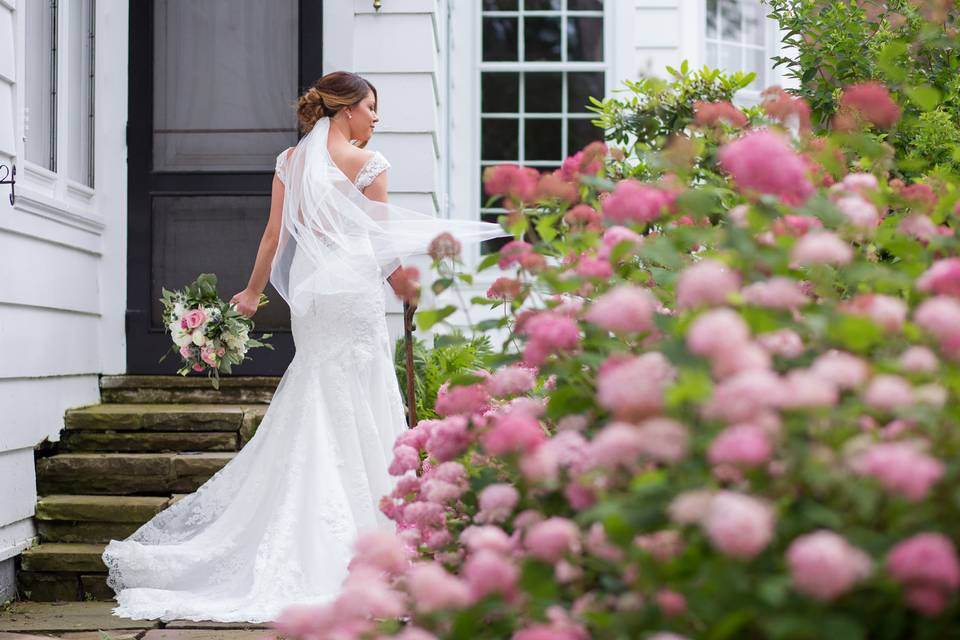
(771, 47)
(464, 91)
(40, 191)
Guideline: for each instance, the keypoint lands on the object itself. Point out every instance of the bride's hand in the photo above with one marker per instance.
(246, 302)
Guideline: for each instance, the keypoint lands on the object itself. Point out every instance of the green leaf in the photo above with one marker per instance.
(856, 333)
(440, 285)
(924, 96)
(488, 262)
(428, 318)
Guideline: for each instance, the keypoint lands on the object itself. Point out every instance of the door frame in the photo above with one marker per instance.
(145, 343)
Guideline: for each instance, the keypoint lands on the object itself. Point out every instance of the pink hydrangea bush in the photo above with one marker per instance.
(726, 410)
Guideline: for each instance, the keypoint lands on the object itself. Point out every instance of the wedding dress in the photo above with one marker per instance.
(275, 526)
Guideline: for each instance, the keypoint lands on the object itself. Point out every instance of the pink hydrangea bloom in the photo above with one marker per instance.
(738, 358)
(510, 381)
(841, 368)
(784, 342)
(919, 226)
(488, 572)
(461, 400)
(763, 161)
(634, 387)
(381, 550)
(519, 183)
(567, 449)
(746, 395)
(901, 467)
(926, 565)
(512, 252)
(940, 317)
(632, 201)
(626, 308)
(739, 525)
(918, 360)
(775, 293)
(860, 183)
(709, 114)
(423, 514)
(404, 459)
(663, 440)
(616, 235)
(487, 537)
(886, 311)
(671, 602)
(513, 433)
(742, 445)
(616, 445)
(593, 267)
(497, 502)
(872, 101)
(707, 282)
(690, 507)
(441, 492)
(552, 539)
(716, 331)
(549, 333)
(584, 216)
(806, 389)
(821, 247)
(662, 545)
(824, 566)
(448, 438)
(433, 589)
(942, 278)
(888, 393)
(859, 212)
(444, 246)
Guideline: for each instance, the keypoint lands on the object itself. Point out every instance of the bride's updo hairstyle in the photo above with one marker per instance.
(330, 94)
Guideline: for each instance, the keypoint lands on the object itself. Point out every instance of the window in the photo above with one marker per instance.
(40, 116)
(541, 60)
(738, 39)
(80, 61)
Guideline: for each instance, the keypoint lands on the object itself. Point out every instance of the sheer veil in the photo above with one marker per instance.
(349, 241)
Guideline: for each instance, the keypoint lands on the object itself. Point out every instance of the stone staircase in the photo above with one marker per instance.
(150, 441)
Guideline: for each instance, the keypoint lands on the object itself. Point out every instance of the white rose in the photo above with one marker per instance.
(199, 339)
(178, 309)
(181, 338)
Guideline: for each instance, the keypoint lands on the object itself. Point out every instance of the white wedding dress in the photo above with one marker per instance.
(276, 525)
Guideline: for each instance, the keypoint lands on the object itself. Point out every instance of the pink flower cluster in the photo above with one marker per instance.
(763, 161)
(518, 183)
(547, 333)
(635, 202)
(927, 567)
(625, 309)
(902, 468)
(824, 566)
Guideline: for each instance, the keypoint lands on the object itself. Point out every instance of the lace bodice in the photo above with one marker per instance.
(372, 168)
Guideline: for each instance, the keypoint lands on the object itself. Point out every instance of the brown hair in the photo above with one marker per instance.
(330, 94)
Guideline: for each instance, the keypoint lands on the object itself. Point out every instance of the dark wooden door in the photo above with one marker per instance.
(213, 88)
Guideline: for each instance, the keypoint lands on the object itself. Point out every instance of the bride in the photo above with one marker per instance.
(275, 526)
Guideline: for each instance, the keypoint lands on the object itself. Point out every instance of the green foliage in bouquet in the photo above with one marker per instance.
(209, 334)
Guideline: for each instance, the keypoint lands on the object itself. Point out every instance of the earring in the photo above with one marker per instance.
(349, 115)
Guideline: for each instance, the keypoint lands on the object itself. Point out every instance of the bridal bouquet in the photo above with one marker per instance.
(209, 334)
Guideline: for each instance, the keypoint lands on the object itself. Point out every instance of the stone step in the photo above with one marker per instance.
(60, 557)
(173, 389)
(63, 586)
(156, 474)
(155, 417)
(148, 441)
(84, 532)
(99, 508)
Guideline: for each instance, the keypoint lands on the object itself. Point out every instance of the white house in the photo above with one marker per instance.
(144, 135)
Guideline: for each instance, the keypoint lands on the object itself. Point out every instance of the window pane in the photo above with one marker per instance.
(713, 59)
(80, 113)
(585, 39)
(580, 133)
(542, 139)
(499, 5)
(757, 62)
(543, 92)
(541, 5)
(585, 5)
(580, 87)
(214, 61)
(498, 139)
(40, 57)
(731, 57)
(753, 22)
(541, 38)
(500, 92)
(730, 19)
(500, 39)
(711, 18)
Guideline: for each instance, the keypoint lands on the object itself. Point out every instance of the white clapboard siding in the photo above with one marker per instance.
(39, 342)
(7, 77)
(398, 49)
(18, 495)
(33, 408)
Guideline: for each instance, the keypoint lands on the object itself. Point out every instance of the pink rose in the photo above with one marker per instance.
(194, 318)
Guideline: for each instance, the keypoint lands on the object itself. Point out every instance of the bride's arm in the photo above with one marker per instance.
(248, 299)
